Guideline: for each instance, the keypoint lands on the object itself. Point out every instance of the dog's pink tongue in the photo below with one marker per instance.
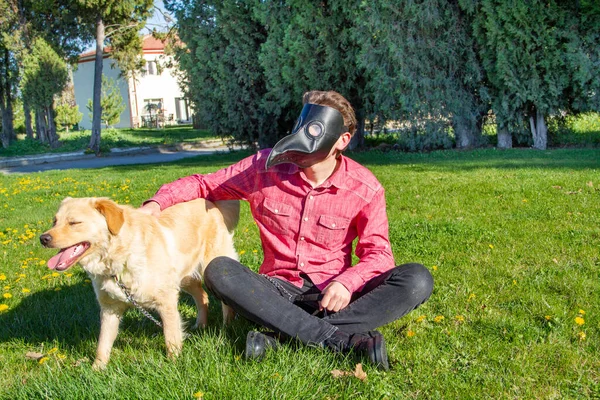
(65, 258)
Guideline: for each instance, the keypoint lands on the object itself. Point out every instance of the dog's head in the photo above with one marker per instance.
(81, 226)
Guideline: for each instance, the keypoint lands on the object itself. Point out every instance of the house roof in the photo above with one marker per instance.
(150, 45)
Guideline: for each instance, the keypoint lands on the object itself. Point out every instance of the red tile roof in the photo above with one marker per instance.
(149, 45)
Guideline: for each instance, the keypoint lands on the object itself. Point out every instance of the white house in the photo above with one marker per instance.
(153, 86)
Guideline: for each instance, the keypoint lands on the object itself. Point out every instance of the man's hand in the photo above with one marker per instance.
(152, 208)
(335, 297)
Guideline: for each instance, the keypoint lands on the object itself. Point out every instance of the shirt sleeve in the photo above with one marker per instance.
(231, 183)
(373, 248)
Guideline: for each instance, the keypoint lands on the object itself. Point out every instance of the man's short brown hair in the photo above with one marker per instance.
(334, 100)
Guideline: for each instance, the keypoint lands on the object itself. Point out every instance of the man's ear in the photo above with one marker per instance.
(112, 213)
(343, 142)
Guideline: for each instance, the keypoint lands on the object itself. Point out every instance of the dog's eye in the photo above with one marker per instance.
(74, 222)
(54, 222)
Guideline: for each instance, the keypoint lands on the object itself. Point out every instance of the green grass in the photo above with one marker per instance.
(111, 138)
(511, 237)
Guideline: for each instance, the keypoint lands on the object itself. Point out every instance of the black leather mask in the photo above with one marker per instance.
(316, 132)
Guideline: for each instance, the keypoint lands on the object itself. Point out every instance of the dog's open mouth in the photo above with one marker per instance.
(68, 256)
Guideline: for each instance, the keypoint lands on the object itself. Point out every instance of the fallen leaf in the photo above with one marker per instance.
(359, 373)
(557, 187)
(590, 184)
(336, 373)
(32, 355)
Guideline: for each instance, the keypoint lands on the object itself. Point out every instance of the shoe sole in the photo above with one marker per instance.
(380, 358)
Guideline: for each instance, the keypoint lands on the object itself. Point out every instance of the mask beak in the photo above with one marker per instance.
(317, 131)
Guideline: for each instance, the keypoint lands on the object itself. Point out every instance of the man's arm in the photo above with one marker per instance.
(373, 249)
(231, 183)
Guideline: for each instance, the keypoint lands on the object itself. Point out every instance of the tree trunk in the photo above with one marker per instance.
(41, 126)
(504, 137)
(539, 130)
(5, 135)
(28, 126)
(358, 139)
(464, 132)
(97, 105)
(52, 135)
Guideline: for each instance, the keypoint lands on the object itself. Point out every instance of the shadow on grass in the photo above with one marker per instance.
(72, 316)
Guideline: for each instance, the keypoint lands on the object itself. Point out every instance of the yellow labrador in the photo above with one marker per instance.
(153, 257)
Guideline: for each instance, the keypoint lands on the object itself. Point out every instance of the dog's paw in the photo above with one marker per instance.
(98, 365)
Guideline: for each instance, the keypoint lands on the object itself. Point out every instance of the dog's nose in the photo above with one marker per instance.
(45, 239)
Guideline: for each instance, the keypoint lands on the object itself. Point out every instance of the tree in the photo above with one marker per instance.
(222, 76)
(111, 101)
(422, 69)
(312, 45)
(539, 61)
(117, 22)
(44, 76)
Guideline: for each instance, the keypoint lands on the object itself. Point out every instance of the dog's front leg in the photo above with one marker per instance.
(171, 325)
(110, 317)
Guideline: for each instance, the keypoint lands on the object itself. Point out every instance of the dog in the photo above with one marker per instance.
(152, 257)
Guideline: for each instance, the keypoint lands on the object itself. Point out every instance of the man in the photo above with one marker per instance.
(310, 203)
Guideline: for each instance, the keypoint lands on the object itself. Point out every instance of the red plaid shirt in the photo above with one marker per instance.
(303, 229)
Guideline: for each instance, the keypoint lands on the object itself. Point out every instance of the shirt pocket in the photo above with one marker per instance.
(332, 230)
(277, 217)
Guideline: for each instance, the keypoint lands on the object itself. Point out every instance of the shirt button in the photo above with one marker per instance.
(306, 218)
(311, 197)
(302, 264)
(276, 211)
(333, 225)
(302, 238)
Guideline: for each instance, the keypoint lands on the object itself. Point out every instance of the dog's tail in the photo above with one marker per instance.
(231, 212)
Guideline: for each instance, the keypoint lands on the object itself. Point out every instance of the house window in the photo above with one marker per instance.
(182, 109)
(151, 68)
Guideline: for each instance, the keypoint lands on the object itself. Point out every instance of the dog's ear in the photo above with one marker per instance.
(113, 214)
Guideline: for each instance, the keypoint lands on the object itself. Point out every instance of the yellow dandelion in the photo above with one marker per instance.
(55, 274)
(421, 318)
(198, 395)
(22, 276)
(471, 297)
(438, 319)
(459, 318)
(43, 360)
(524, 200)
(69, 275)
(255, 251)
(491, 246)
(242, 252)
(410, 333)
(579, 320)
(548, 317)
(42, 262)
(2, 277)
(53, 350)
(434, 268)
(582, 336)
(57, 289)
(3, 307)
(581, 312)
(514, 281)
(7, 295)
(61, 356)
(25, 290)
(6, 287)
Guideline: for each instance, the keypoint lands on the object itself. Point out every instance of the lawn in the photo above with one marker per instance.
(111, 138)
(511, 237)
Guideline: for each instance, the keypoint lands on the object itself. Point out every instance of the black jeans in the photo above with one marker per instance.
(271, 302)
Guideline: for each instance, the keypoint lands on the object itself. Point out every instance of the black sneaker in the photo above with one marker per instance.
(257, 344)
(371, 344)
